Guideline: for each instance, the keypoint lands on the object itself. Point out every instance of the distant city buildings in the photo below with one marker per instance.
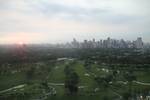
(108, 43)
(138, 43)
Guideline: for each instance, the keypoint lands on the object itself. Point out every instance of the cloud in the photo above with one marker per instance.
(54, 18)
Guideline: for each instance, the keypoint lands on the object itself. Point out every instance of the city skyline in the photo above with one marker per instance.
(57, 21)
(96, 39)
(103, 43)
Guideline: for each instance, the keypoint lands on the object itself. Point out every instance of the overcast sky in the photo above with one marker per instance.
(51, 21)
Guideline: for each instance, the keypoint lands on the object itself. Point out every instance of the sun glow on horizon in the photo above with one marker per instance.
(19, 38)
(21, 43)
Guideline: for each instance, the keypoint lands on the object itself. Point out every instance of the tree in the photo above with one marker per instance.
(130, 77)
(30, 74)
(71, 81)
(103, 81)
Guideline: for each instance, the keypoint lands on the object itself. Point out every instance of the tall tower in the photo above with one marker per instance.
(108, 42)
(139, 43)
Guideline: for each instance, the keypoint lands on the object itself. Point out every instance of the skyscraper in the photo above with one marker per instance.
(139, 43)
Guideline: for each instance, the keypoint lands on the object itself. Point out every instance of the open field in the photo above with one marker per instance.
(87, 85)
(46, 79)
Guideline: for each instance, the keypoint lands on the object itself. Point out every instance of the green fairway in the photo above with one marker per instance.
(88, 87)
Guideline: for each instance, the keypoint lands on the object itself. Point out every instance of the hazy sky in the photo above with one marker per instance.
(41, 21)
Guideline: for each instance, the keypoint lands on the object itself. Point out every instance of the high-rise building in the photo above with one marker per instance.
(75, 43)
(139, 43)
(106, 43)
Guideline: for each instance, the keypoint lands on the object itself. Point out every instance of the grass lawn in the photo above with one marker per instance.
(87, 83)
(143, 76)
(10, 80)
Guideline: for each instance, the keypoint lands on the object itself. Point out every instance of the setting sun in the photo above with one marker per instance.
(20, 43)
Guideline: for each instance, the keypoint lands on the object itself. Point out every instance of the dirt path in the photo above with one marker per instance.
(15, 87)
(141, 83)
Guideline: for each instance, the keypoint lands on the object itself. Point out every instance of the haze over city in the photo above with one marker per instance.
(56, 21)
(74, 49)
